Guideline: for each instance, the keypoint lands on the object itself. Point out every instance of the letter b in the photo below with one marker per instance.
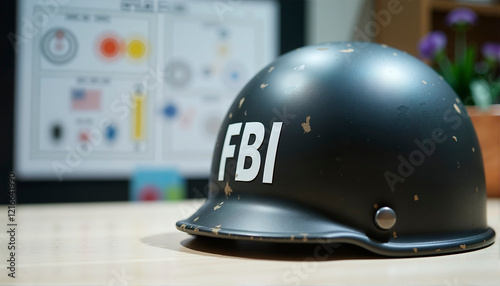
(246, 150)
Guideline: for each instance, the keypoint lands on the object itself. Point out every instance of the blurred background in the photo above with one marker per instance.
(122, 99)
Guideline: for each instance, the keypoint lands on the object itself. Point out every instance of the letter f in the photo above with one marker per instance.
(227, 148)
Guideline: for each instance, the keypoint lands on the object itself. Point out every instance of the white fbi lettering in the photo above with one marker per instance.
(227, 148)
(246, 150)
(250, 150)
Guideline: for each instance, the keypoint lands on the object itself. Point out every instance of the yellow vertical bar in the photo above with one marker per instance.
(138, 121)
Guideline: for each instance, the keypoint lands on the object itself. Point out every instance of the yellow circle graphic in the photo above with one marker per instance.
(136, 49)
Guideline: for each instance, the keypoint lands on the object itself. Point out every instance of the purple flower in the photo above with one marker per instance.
(491, 51)
(461, 16)
(431, 44)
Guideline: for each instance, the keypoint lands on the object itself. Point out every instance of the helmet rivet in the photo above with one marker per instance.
(385, 218)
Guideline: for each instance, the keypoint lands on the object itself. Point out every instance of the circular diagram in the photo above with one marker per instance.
(178, 74)
(136, 49)
(109, 46)
(170, 110)
(59, 46)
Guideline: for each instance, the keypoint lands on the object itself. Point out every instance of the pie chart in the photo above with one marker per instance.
(59, 46)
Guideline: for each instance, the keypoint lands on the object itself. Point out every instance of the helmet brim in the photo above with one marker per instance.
(282, 221)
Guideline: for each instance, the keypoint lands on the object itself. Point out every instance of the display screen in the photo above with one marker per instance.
(105, 86)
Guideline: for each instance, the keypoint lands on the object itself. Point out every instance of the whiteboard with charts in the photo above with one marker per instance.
(105, 86)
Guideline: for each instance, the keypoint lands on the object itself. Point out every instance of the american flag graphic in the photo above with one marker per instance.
(83, 99)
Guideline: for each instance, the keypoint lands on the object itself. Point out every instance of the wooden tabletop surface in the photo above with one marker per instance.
(138, 244)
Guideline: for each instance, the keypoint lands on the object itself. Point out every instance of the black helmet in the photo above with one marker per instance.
(348, 143)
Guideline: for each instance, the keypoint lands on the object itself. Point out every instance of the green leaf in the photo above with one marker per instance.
(469, 65)
(447, 68)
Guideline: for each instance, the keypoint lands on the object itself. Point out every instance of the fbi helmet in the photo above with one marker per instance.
(350, 142)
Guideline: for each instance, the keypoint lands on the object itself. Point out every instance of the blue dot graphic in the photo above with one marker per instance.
(110, 132)
(234, 75)
(170, 111)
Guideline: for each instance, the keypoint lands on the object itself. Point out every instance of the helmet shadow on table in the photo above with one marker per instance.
(258, 249)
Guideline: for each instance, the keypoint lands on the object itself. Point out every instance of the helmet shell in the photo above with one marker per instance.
(326, 135)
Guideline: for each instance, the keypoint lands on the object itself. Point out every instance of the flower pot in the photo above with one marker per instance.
(487, 125)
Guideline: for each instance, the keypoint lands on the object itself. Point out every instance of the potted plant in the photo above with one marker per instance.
(477, 83)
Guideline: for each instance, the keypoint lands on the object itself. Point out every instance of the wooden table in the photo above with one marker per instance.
(137, 244)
